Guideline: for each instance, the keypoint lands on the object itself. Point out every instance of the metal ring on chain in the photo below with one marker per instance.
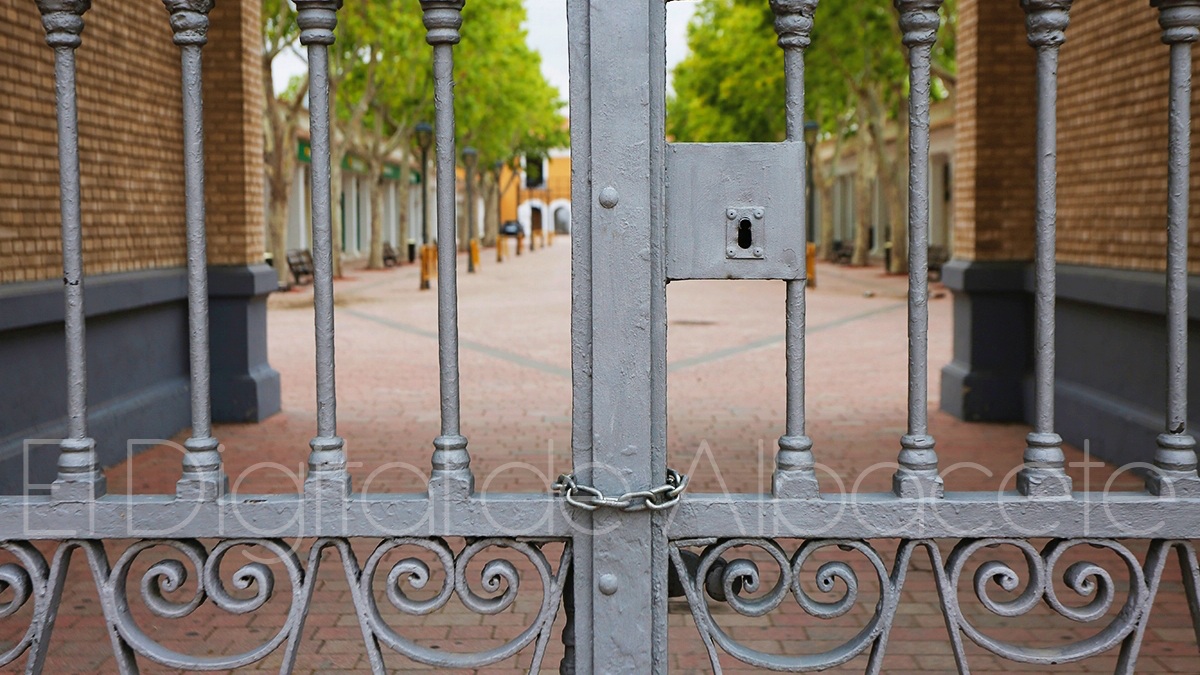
(590, 499)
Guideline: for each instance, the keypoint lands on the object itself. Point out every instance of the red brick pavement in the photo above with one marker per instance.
(726, 410)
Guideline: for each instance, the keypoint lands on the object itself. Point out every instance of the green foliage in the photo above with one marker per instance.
(731, 86)
(503, 103)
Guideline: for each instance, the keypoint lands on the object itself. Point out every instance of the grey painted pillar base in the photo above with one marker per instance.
(245, 388)
(992, 341)
(451, 477)
(795, 475)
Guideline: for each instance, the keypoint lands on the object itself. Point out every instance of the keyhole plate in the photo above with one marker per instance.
(714, 189)
(745, 232)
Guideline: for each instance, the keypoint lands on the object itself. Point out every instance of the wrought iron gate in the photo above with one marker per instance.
(646, 211)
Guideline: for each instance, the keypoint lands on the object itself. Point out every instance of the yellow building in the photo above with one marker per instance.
(539, 194)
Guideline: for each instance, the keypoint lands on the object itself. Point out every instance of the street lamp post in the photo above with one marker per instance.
(424, 137)
(470, 158)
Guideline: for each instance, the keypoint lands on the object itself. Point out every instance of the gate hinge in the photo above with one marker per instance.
(590, 499)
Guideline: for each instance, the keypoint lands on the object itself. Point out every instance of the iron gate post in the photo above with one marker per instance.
(918, 475)
(451, 476)
(794, 475)
(202, 478)
(79, 476)
(1175, 458)
(327, 477)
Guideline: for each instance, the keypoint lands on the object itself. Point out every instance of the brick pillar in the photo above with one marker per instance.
(245, 387)
(995, 112)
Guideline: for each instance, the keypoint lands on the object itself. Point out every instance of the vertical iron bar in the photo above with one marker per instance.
(1043, 475)
(327, 462)
(79, 475)
(918, 476)
(794, 476)
(202, 476)
(579, 659)
(1175, 458)
(451, 461)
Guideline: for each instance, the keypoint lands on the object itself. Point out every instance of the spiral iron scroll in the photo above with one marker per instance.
(739, 580)
(186, 574)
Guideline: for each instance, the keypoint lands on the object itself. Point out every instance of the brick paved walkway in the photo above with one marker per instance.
(726, 410)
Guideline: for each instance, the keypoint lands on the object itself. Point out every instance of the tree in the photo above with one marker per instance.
(281, 118)
(383, 92)
(856, 86)
(381, 84)
(506, 108)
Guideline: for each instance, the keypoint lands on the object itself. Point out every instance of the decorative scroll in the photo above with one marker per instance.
(165, 591)
(1042, 581)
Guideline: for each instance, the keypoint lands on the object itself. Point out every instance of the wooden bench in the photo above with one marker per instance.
(390, 257)
(300, 263)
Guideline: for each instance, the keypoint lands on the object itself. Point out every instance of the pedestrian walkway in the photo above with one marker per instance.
(726, 410)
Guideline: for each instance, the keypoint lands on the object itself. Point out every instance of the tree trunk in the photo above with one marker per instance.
(825, 249)
(863, 198)
(335, 203)
(277, 219)
(892, 168)
(375, 184)
(463, 223)
(491, 217)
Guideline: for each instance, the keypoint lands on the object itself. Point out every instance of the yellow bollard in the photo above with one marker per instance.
(474, 246)
(811, 264)
(424, 268)
(500, 248)
(433, 261)
(520, 241)
(550, 237)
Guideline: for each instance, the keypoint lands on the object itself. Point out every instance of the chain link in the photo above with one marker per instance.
(590, 499)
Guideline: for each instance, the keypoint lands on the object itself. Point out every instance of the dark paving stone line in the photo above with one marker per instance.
(559, 371)
(777, 339)
(465, 344)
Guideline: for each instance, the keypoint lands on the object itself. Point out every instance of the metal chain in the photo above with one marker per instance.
(590, 499)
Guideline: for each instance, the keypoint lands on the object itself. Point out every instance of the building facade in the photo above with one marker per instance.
(1111, 224)
(131, 155)
(845, 195)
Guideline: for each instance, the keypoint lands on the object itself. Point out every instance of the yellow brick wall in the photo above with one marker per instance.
(994, 131)
(233, 97)
(130, 140)
(1112, 138)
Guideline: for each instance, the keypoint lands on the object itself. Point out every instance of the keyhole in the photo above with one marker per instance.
(745, 234)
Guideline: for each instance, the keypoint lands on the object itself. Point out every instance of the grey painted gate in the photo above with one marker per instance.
(646, 211)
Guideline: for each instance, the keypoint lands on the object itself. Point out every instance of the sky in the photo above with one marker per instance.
(547, 29)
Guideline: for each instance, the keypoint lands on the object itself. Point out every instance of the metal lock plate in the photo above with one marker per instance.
(735, 211)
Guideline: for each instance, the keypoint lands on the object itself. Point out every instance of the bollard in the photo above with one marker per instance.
(424, 268)
(474, 253)
(432, 252)
(811, 264)
(520, 241)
